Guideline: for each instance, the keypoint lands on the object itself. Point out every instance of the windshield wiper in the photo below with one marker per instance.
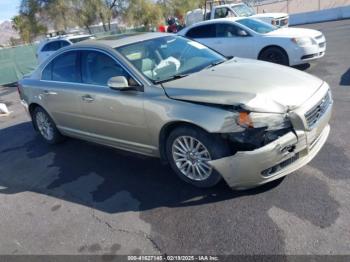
(215, 64)
(174, 77)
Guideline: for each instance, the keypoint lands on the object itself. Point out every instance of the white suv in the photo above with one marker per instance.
(50, 46)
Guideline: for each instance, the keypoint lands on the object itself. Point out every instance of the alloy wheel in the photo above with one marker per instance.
(191, 158)
(44, 125)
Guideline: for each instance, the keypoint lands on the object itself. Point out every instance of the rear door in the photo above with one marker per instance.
(231, 42)
(60, 92)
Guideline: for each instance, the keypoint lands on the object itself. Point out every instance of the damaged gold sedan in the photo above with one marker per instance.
(160, 95)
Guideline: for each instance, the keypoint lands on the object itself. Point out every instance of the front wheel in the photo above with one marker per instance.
(189, 151)
(275, 55)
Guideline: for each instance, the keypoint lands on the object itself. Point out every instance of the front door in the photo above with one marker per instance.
(111, 116)
(230, 41)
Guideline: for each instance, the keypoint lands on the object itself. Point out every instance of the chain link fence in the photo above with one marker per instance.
(15, 62)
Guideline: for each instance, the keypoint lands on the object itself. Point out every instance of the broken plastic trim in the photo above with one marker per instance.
(254, 138)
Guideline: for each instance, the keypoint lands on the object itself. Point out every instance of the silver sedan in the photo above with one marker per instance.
(160, 95)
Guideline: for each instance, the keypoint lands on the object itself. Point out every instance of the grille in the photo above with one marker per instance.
(313, 115)
(272, 170)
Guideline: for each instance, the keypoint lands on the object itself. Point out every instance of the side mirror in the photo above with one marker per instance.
(242, 32)
(119, 83)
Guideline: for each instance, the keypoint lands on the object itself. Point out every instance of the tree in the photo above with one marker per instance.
(86, 12)
(143, 13)
(60, 13)
(114, 8)
(20, 24)
(179, 8)
(26, 23)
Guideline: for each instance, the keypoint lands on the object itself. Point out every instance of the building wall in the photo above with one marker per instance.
(300, 6)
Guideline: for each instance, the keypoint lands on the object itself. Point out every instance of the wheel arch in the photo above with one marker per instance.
(31, 109)
(167, 129)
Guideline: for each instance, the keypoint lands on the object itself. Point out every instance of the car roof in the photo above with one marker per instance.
(61, 37)
(115, 41)
(76, 36)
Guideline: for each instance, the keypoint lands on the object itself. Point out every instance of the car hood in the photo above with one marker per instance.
(271, 15)
(295, 32)
(253, 85)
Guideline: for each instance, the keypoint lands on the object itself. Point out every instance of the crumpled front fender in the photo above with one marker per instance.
(245, 169)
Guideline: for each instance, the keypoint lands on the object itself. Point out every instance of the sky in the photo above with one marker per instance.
(8, 9)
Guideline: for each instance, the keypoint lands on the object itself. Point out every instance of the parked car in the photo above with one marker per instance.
(50, 46)
(252, 38)
(162, 95)
(216, 9)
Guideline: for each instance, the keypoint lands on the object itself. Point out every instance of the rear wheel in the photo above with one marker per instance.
(189, 151)
(46, 127)
(275, 55)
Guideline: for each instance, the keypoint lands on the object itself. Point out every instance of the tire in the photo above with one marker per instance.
(275, 55)
(46, 127)
(211, 147)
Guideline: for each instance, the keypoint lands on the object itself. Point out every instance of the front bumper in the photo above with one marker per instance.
(309, 53)
(248, 169)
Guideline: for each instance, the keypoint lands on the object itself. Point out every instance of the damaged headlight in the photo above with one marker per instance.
(267, 121)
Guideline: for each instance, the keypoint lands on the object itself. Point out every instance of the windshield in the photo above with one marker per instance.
(166, 58)
(243, 10)
(257, 25)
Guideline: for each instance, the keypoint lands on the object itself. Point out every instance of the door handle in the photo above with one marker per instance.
(47, 92)
(88, 98)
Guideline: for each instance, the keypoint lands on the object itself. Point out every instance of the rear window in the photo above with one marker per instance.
(52, 46)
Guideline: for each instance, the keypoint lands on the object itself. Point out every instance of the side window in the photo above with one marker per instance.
(223, 12)
(52, 46)
(227, 30)
(47, 72)
(64, 44)
(65, 68)
(98, 68)
(204, 31)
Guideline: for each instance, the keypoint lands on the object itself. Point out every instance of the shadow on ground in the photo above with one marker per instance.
(89, 174)
(113, 181)
(345, 79)
(302, 67)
